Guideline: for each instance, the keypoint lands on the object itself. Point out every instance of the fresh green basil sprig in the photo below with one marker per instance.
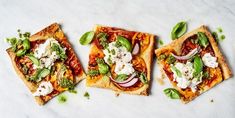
(178, 30)
(172, 93)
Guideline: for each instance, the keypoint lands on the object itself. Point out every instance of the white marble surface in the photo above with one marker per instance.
(76, 17)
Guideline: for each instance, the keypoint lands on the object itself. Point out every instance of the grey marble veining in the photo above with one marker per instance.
(76, 17)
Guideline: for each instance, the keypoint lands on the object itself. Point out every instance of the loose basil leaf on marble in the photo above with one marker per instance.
(178, 30)
(172, 93)
(121, 77)
(176, 71)
(87, 95)
(87, 38)
(197, 65)
(124, 42)
(143, 78)
(202, 39)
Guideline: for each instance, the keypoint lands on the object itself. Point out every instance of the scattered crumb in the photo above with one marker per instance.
(160, 81)
(211, 100)
(117, 94)
(87, 95)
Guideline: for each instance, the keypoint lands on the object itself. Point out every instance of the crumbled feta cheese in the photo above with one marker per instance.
(44, 53)
(44, 89)
(121, 57)
(209, 60)
(186, 79)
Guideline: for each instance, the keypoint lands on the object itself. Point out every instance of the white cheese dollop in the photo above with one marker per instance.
(186, 79)
(121, 57)
(44, 89)
(209, 60)
(44, 53)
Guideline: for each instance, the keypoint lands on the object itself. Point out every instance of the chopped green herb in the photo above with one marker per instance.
(121, 77)
(87, 95)
(170, 59)
(66, 83)
(222, 37)
(40, 73)
(206, 75)
(215, 35)
(33, 59)
(59, 51)
(93, 72)
(62, 98)
(161, 57)
(87, 38)
(178, 30)
(161, 42)
(172, 93)
(219, 29)
(102, 66)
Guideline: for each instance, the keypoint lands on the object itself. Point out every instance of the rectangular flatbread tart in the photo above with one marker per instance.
(120, 60)
(46, 62)
(193, 63)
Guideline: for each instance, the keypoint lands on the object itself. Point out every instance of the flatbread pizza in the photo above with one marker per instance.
(120, 60)
(46, 62)
(193, 63)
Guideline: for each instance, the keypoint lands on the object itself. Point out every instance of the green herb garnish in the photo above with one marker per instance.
(59, 51)
(62, 98)
(87, 38)
(219, 29)
(34, 59)
(161, 57)
(121, 77)
(93, 72)
(202, 39)
(161, 42)
(66, 83)
(178, 30)
(222, 37)
(176, 71)
(143, 78)
(102, 66)
(170, 59)
(87, 95)
(172, 93)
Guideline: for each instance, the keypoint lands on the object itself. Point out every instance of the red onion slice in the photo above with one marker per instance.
(188, 56)
(136, 49)
(126, 81)
(130, 83)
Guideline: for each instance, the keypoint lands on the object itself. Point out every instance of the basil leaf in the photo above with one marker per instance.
(20, 52)
(93, 72)
(26, 44)
(178, 30)
(172, 93)
(44, 72)
(87, 95)
(103, 68)
(176, 71)
(197, 65)
(34, 59)
(143, 78)
(124, 42)
(206, 75)
(202, 39)
(121, 77)
(87, 37)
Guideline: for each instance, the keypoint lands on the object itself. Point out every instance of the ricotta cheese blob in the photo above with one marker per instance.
(185, 79)
(209, 60)
(121, 57)
(44, 53)
(44, 89)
